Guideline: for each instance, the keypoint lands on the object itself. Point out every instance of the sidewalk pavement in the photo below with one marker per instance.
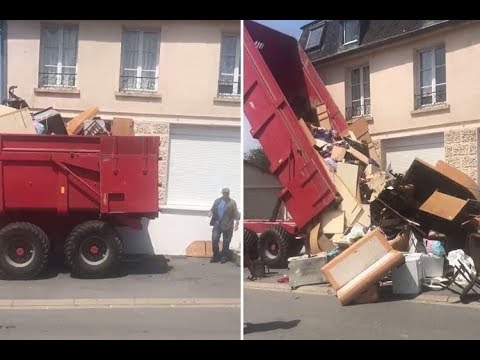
(143, 280)
(270, 283)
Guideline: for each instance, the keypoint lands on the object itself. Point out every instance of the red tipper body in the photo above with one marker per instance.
(280, 86)
(78, 177)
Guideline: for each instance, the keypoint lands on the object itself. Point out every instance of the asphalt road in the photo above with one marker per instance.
(283, 315)
(111, 324)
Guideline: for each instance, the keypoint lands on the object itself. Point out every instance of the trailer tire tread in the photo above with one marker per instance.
(283, 239)
(43, 247)
(250, 244)
(72, 251)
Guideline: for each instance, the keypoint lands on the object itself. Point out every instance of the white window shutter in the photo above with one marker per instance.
(202, 161)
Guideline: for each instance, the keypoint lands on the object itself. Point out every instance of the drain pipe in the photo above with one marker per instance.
(3, 60)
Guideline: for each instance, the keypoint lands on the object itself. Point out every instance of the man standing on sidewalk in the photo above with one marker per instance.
(225, 218)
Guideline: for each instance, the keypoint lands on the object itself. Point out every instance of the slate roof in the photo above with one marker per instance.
(371, 33)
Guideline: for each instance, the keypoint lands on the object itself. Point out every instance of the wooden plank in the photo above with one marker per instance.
(350, 205)
(459, 177)
(443, 205)
(364, 216)
(122, 127)
(322, 108)
(325, 124)
(338, 153)
(333, 222)
(357, 154)
(307, 132)
(349, 174)
(74, 126)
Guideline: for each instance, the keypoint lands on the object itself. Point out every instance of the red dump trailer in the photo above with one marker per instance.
(72, 191)
(280, 87)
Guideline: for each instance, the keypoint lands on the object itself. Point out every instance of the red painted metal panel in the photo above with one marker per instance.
(281, 86)
(106, 174)
(260, 226)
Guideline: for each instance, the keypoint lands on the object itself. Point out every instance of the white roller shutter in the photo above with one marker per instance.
(401, 152)
(202, 161)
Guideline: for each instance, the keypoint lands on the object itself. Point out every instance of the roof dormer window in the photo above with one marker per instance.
(351, 31)
(315, 37)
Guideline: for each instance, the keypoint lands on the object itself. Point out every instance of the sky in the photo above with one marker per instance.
(289, 27)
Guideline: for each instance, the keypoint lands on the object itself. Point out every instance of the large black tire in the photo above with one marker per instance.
(274, 244)
(93, 249)
(296, 245)
(250, 244)
(24, 250)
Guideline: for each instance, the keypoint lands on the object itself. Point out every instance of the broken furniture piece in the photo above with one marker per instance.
(306, 270)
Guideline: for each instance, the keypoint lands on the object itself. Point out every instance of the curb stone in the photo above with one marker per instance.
(325, 290)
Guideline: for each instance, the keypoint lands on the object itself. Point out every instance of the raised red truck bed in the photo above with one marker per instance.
(72, 190)
(280, 87)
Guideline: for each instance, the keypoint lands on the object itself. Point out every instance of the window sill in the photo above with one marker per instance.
(186, 207)
(144, 95)
(233, 99)
(368, 118)
(431, 109)
(53, 90)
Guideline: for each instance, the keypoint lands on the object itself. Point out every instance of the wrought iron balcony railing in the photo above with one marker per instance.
(430, 99)
(61, 80)
(138, 84)
(229, 88)
(357, 111)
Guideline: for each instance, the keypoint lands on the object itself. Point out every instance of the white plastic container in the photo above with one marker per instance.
(432, 265)
(407, 278)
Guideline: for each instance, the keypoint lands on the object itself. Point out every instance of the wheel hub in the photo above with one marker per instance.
(20, 251)
(94, 249)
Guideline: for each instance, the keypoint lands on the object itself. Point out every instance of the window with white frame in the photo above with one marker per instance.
(139, 61)
(58, 60)
(433, 84)
(359, 92)
(351, 29)
(314, 37)
(230, 78)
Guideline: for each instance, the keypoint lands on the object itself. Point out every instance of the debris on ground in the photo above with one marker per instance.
(388, 224)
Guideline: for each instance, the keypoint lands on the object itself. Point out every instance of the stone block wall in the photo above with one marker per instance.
(461, 150)
(162, 129)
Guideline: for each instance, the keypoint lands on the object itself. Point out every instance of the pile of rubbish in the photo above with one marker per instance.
(16, 118)
(409, 230)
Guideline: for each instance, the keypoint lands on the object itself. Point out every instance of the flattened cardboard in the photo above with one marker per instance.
(338, 153)
(357, 154)
(333, 222)
(325, 243)
(17, 122)
(313, 239)
(459, 177)
(443, 205)
(349, 173)
(350, 205)
(307, 132)
(320, 143)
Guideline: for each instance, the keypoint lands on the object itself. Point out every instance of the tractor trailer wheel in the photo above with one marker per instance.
(274, 246)
(93, 249)
(24, 250)
(250, 244)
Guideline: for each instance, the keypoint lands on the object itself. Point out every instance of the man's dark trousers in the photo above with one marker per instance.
(227, 237)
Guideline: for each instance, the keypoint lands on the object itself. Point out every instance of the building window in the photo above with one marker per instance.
(314, 37)
(139, 61)
(58, 56)
(230, 78)
(350, 31)
(433, 85)
(359, 93)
